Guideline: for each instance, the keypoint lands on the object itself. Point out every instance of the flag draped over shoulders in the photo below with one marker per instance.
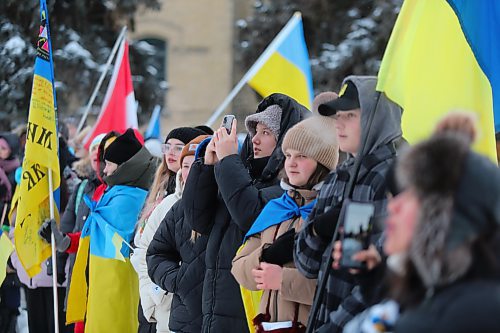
(108, 299)
(444, 55)
(40, 160)
(277, 211)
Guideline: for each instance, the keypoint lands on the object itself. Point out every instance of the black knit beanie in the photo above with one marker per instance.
(184, 134)
(123, 148)
(205, 129)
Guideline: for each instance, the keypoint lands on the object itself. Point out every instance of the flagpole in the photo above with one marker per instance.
(101, 79)
(51, 188)
(256, 66)
(54, 260)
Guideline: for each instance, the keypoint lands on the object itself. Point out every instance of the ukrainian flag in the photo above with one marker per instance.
(41, 163)
(445, 55)
(284, 66)
(104, 291)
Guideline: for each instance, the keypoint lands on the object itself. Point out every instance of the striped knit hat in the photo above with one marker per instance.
(314, 137)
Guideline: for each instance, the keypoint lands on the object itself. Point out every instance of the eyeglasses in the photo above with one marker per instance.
(166, 147)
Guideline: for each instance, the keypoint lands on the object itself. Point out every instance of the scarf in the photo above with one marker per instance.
(278, 210)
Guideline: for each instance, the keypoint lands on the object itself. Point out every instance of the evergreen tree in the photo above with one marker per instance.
(343, 36)
(83, 33)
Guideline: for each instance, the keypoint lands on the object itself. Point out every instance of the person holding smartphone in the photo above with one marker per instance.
(266, 260)
(367, 127)
(224, 194)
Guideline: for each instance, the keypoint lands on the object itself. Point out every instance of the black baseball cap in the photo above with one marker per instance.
(348, 100)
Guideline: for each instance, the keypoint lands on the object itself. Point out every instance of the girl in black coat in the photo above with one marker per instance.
(224, 194)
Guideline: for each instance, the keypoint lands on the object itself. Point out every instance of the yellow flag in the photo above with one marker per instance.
(6, 249)
(40, 158)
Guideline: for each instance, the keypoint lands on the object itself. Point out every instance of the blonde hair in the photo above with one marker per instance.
(157, 190)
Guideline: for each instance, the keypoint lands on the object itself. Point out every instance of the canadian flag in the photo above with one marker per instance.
(118, 111)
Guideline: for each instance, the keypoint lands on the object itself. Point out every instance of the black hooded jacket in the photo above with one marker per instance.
(176, 263)
(222, 202)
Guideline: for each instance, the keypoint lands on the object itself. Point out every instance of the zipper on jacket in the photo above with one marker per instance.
(213, 294)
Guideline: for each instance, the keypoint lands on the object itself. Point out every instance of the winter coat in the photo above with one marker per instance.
(296, 290)
(464, 307)
(342, 298)
(222, 201)
(74, 218)
(177, 264)
(112, 298)
(138, 171)
(155, 301)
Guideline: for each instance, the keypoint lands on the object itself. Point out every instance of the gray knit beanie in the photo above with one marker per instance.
(314, 137)
(271, 117)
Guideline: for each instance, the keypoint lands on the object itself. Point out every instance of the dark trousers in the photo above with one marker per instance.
(9, 303)
(40, 306)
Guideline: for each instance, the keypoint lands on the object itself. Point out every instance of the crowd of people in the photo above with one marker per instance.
(218, 235)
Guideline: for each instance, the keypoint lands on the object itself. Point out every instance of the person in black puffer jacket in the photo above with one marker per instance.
(175, 259)
(224, 194)
(176, 255)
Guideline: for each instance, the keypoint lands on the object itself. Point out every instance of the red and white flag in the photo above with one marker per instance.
(119, 110)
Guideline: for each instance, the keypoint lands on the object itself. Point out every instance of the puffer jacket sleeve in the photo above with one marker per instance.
(163, 259)
(200, 198)
(242, 198)
(68, 219)
(246, 259)
(150, 297)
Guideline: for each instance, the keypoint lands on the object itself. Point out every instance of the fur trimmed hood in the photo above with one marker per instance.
(459, 193)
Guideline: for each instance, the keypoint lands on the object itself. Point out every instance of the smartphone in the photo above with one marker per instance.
(358, 224)
(227, 122)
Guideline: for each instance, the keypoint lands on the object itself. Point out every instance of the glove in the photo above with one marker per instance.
(50, 226)
(45, 231)
(324, 224)
(280, 251)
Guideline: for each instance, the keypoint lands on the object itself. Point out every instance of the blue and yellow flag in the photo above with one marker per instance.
(284, 66)
(445, 55)
(104, 291)
(40, 159)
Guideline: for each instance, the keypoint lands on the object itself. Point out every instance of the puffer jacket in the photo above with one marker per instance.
(176, 263)
(296, 290)
(222, 201)
(155, 301)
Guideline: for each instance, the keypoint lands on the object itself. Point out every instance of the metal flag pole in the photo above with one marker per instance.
(54, 260)
(256, 66)
(101, 78)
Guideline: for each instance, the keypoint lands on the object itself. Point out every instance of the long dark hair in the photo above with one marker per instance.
(317, 177)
